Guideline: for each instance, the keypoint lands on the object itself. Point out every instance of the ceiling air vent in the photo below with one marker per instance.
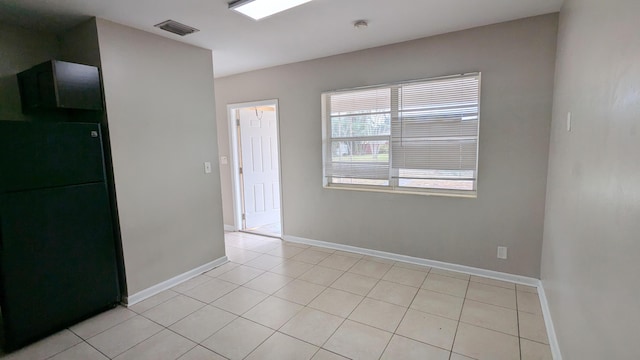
(176, 27)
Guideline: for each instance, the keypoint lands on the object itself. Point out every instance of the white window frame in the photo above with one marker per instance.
(392, 186)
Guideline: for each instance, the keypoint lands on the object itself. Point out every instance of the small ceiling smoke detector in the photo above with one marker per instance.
(176, 27)
(360, 24)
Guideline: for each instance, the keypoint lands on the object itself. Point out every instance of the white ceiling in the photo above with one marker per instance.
(317, 29)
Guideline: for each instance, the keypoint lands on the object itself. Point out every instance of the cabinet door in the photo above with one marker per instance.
(78, 86)
(60, 85)
(40, 155)
(58, 262)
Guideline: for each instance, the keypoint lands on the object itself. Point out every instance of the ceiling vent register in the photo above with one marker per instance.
(177, 28)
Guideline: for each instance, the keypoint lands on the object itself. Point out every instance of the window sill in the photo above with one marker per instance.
(426, 192)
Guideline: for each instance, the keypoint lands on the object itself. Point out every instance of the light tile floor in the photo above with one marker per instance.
(279, 300)
(273, 229)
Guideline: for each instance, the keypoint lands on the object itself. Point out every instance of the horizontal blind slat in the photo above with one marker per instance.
(359, 102)
(357, 170)
(442, 155)
(437, 125)
(433, 134)
(435, 128)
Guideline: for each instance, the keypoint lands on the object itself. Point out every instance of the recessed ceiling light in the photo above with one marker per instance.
(259, 9)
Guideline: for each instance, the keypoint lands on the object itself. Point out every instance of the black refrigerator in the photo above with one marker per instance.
(57, 249)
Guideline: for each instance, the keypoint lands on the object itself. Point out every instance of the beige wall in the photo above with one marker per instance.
(159, 96)
(80, 44)
(591, 253)
(160, 106)
(517, 64)
(19, 50)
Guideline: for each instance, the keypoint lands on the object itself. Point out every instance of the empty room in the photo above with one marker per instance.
(319, 179)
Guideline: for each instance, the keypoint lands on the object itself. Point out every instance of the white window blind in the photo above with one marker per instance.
(413, 135)
(360, 126)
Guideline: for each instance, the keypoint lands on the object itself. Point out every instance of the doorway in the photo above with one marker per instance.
(255, 160)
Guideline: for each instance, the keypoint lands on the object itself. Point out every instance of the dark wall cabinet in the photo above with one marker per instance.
(60, 85)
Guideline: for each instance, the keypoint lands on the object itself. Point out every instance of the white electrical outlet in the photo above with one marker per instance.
(224, 160)
(502, 252)
(207, 167)
(569, 121)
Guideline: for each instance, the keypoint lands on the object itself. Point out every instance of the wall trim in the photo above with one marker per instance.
(231, 228)
(524, 280)
(167, 284)
(518, 279)
(548, 322)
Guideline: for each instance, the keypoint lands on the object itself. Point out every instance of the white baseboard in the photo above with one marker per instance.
(165, 285)
(229, 227)
(548, 322)
(523, 280)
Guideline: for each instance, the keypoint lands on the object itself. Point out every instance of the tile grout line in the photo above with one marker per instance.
(378, 280)
(182, 318)
(469, 280)
(365, 296)
(191, 349)
(455, 334)
(269, 295)
(59, 352)
(105, 330)
(96, 349)
(140, 342)
(354, 308)
(236, 317)
(518, 324)
(486, 303)
(409, 308)
(168, 329)
(263, 341)
(394, 333)
(162, 302)
(93, 347)
(313, 265)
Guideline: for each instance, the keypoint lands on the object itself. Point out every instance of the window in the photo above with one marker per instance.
(419, 136)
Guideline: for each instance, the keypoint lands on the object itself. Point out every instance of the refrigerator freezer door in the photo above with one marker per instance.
(58, 261)
(40, 155)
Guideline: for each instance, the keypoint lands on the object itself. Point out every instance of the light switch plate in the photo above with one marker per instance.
(224, 160)
(207, 167)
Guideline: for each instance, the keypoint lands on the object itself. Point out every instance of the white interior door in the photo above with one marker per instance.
(260, 175)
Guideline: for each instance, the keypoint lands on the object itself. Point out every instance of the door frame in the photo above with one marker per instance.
(235, 163)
